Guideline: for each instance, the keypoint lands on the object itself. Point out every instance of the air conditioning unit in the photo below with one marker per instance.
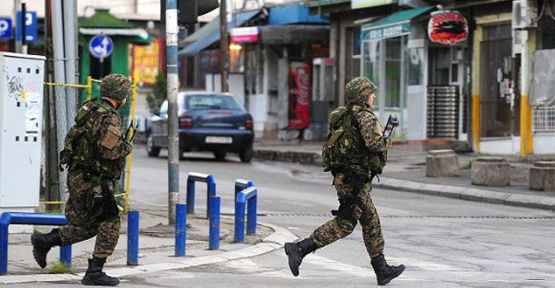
(525, 14)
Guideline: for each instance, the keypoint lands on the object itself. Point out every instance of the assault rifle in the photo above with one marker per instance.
(392, 122)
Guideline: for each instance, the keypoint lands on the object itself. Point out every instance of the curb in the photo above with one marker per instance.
(471, 194)
(270, 243)
(458, 192)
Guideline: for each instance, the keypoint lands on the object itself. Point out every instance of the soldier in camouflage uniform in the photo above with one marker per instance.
(94, 153)
(352, 179)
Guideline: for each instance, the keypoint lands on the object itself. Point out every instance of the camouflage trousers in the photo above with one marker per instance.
(80, 215)
(359, 209)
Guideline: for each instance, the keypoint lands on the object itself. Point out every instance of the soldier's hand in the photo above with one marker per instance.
(388, 143)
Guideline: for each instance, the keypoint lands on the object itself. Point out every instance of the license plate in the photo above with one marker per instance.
(218, 140)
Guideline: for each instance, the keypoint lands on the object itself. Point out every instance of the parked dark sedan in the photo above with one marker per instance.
(208, 121)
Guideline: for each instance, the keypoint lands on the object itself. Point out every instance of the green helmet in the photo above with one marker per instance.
(115, 86)
(354, 91)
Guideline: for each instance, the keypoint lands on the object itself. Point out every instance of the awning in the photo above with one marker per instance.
(289, 34)
(394, 25)
(210, 33)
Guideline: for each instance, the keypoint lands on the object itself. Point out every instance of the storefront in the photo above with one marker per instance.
(393, 56)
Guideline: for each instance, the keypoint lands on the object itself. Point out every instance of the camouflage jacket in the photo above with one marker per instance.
(95, 142)
(355, 141)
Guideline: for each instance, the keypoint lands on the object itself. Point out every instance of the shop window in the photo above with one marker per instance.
(546, 31)
(353, 55)
(416, 59)
(393, 72)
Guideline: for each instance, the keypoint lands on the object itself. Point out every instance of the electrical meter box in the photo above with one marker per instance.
(21, 100)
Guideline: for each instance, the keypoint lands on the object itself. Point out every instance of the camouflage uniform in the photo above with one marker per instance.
(95, 151)
(355, 151)
(352, 185)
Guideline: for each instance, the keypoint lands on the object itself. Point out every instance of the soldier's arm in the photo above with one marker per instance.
(107, 134)
(371, 131)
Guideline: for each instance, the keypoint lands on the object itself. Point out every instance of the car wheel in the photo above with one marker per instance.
(151, 149)
(246, 155)
(219, 155)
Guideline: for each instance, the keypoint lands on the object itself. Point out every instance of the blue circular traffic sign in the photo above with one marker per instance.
(101, 46)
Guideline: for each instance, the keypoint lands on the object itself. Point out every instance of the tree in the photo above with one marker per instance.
(155, 98)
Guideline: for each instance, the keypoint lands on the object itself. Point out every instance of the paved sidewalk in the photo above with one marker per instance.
(156, 250)
(405, 171)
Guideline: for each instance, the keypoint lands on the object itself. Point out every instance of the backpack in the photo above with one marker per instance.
(345, 148)
(80, 148)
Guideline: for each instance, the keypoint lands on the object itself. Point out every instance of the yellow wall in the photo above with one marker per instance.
(526, 137)
(476, 89)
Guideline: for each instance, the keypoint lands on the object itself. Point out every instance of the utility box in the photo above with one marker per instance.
(21, 100)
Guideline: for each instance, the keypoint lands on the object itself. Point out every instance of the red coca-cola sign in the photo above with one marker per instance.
(448, 28)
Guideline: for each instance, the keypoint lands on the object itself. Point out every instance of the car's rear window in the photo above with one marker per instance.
(219, 102)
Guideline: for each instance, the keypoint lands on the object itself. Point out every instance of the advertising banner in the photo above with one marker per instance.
(299, 94)
(448, 28)
(145, 62)
(244, 35)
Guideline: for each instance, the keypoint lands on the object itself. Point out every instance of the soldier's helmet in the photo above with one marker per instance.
(115, 86)
(355, 91)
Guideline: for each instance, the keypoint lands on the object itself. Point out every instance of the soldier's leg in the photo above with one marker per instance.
(107, 238)
(81, 227)
(373, 240)
(371, 227)
(347, 214)
(335, 229)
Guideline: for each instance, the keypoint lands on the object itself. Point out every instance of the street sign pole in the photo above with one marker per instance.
(24, 28)
(16, 5)
(173, 82)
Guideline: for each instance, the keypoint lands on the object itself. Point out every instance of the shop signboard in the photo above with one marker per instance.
(448, 28)
(357, 4)
(383, 32)
(299, 95)
(146, 62)
(244, 34)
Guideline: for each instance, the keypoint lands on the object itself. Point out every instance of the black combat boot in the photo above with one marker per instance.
(385, 273)
(95, 276)
(42, 244)
(296, 253)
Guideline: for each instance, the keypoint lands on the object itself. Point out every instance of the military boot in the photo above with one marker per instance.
(385, 273)
(296, 253)
(95, 276)
(42, 244)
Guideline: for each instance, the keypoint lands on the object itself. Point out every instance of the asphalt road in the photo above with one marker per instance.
(443, 242)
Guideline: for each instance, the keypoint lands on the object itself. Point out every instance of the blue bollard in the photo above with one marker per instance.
(65, 254)
(214, 233)
(133, 238)
(251, 215)
(190, 196)
(180, 229)
(239, 222)
(4, 249)
(211, 191)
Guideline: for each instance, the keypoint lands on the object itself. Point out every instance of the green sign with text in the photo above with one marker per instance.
(386, 32)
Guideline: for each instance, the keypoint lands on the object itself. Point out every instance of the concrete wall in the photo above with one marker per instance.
(543, 144)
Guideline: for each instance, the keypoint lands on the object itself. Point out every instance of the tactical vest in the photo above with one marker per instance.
(80, 150)
(345, 149)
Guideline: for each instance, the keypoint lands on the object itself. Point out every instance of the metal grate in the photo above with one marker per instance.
(544, 120)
